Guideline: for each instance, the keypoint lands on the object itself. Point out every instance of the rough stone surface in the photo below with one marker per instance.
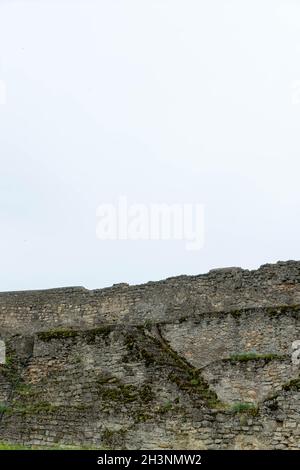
(191, 362)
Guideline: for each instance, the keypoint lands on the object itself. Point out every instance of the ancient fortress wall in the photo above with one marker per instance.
(166, 301)
(189, 362)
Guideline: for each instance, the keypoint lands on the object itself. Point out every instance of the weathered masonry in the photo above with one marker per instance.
(191, 362)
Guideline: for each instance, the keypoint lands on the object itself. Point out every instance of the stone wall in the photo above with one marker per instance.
(191, 362)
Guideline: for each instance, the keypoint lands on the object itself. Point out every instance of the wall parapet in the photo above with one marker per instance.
(223, 290)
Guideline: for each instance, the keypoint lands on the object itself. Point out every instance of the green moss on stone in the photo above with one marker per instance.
(165, 407)
(125, 393)
(283, 309)
(253, 356)
(25, 390)
(57, 334)
(91, 335)
(10, 370)
(292, 385)
(32, 409)
(191, 381)
(157, 353)
(241, 407)
(113, 439)
(3, 408)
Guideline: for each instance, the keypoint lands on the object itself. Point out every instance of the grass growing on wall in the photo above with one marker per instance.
(253, 356)
(63, 333)
(293, 385)
(241, 407)
(3, 408)
(56, 334)
(7, 446)
(13, 446)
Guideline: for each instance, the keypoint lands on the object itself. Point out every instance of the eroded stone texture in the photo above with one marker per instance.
(194, 362)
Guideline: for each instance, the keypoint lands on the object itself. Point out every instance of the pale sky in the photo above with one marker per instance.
(163, 101)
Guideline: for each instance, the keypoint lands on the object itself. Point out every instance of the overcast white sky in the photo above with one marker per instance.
(160, 101)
